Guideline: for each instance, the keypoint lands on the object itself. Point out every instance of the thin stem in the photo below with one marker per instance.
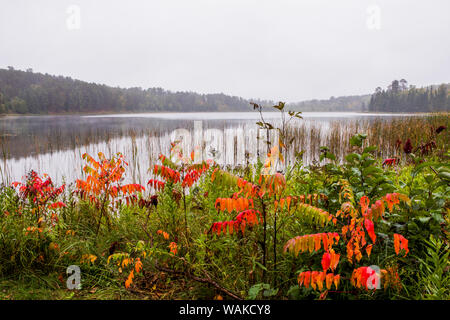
(264, 236)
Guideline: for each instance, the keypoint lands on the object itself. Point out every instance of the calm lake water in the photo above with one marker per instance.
(55, 144)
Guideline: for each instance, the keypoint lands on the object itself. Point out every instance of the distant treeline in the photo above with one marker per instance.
(346, 103)
(398, 97)
(28, 92)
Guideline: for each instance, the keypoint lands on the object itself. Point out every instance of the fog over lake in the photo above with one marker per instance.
(55, 144)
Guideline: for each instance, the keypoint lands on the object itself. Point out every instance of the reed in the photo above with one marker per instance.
(59, 152)
(389, 135)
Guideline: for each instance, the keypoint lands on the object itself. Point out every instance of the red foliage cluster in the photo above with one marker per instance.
(37, 190)
(330, 260)
(40, 193)
(247, 217)
(187, 176)
(376, 211)
(390, 162)
(393, 199)
(156, 184)
(167, 173)
(363, 276)
(192, 175)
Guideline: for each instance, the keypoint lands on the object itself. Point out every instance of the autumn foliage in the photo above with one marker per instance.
(41, 195)
(103, 186)
(243, 219)
(103, 181)
(357, 230)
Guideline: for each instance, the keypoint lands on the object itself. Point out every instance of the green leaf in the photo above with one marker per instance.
(260, 265)
(352, 157)
(424, 219)
(437, 217)
(424, 165)
(254, 291)
(370, 149)
(445, 175)
(357, 140)
(270, 292)
(371, 170)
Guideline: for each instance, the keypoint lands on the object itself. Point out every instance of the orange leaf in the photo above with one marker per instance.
(334, 260)
(240, 204)
(288, 202)
(325, 241)
(138, 265)
(336, 280)
(369, 249)
(317, 239)
(364, 202)
(396, 243)
(282, 203)
(307, 278)
(329, 280)
(230, 205)
(129, 279)
(223, 204)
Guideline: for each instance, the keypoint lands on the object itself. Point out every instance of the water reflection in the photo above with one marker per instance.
(54, 144)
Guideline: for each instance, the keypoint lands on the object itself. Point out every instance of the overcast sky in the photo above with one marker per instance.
(278, 49)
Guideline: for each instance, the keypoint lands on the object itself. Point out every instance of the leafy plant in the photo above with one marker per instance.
(434, 275)
(103, 187)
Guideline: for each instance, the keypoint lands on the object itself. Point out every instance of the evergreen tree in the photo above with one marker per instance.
(37, 93)
(399, 98)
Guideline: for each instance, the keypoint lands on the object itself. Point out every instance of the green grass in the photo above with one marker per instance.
(207, 266)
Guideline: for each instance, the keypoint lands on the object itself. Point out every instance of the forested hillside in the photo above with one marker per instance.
(28, 92)
(346, 103)
(398, 97)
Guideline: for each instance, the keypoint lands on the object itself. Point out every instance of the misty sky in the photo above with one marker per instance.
(278, 49)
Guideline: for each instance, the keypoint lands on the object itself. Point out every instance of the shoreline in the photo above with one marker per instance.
(17, 115)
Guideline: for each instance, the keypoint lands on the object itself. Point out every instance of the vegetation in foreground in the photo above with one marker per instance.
(366, 228)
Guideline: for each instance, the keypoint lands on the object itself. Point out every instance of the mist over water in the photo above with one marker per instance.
(55, 144)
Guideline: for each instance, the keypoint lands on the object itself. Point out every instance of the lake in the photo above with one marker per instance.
(55, 144)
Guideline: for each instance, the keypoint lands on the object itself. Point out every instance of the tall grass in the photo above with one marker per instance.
(61, 156)
(389, 135)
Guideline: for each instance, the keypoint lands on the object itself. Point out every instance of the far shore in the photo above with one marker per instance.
(14, 115)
